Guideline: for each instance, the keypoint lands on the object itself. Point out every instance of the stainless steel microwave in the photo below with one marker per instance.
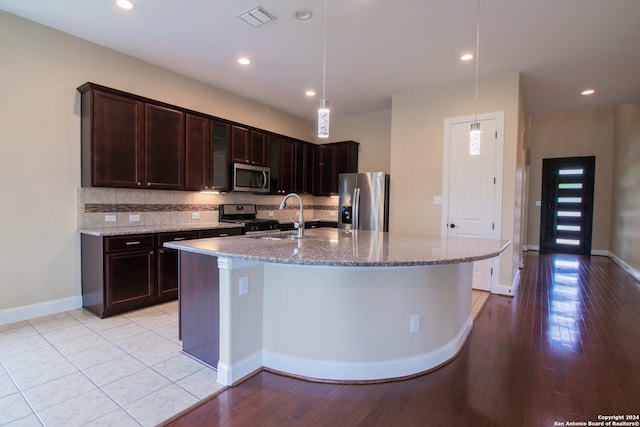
(251, 178)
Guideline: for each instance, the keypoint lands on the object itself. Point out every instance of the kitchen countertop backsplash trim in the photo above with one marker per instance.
(99, 208)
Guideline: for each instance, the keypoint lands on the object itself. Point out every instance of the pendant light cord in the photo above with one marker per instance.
(475, 112)
(324, 51)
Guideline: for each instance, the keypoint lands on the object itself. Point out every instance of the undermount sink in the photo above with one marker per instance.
(280, 235)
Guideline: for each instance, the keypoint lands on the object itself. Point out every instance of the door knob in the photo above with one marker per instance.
(452, 226)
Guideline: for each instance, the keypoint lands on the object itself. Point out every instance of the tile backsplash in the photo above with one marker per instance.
(98, 207)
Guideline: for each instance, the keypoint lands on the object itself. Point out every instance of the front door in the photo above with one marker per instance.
(471, 196)
(567, 205)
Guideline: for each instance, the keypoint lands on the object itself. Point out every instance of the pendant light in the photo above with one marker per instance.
(323, 110)
(474, 133)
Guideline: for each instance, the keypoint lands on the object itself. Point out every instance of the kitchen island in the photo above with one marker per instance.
(334, 306)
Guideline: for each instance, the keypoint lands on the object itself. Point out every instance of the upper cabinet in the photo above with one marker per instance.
(206, 144)
(134, 142)
(248, 146)
(163, 148)
(128, 142)
(112, 139)
(330, 161)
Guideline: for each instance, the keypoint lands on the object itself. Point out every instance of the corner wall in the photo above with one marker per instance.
(40, 147)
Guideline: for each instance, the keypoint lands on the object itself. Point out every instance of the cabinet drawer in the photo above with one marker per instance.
(176, 237)
(123, 243)
(220, 232)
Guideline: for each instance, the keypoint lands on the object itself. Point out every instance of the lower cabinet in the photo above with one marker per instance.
(122, 273)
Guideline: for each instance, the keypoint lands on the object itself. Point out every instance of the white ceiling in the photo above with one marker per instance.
(375, 48)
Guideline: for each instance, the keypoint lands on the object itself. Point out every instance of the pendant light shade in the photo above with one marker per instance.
(474, 139)
(323, 119)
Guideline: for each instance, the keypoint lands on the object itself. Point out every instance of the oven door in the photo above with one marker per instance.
(251, 178)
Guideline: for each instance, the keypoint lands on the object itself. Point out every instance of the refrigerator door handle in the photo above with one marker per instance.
(355, 220)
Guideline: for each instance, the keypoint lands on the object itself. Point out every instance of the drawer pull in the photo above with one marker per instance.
(135, 242)
(179, 238)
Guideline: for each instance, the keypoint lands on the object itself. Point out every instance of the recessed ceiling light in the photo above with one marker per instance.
(302, 14)
(466, 57)
(310, 92)
(587, 92)
(244, 61)
(126, 4)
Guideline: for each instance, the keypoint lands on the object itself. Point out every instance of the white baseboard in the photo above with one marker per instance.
(230, 374)
(533, 247)
(16, 314)
(368, 371)
(503, 290)
(599, 252)
(626, 267)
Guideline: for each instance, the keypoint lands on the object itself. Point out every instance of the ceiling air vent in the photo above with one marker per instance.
(256, 16)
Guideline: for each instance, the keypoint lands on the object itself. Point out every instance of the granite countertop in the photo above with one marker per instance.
(145, 229)
(334, 247)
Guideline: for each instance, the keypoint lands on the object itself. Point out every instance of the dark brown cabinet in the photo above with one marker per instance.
(134, 142)
(167, 283)
(332, 160)
(130, 142)
(112, 139)
(248, 146)
(281, 164)
(206, 144)
(304, 167)
(163, 148)
(122, 273)
(118, 273)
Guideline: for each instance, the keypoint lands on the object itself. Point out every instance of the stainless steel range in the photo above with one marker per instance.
(245, 214)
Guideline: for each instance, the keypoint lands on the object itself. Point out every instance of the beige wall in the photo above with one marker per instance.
(40, 146)
(625, 221)
(373, 132)
(574, 134)
(417, 131)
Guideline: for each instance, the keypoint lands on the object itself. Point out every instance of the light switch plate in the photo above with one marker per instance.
(437, 200)
(195, 215)
(110, 218)
(134, 218)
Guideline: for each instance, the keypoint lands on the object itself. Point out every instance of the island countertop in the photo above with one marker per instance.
(336, 247)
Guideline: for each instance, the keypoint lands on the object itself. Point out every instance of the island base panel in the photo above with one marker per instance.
(199, 306)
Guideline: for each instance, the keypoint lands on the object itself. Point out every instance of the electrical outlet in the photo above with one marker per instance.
(271, 213)
(134, 218)
(243, 287)
(109, 218)
(414, 323)
(195, 215)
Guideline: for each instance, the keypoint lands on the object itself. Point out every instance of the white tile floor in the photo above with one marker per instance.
(74, 369)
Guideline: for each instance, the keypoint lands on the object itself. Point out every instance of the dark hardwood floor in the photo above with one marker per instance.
(565, 349)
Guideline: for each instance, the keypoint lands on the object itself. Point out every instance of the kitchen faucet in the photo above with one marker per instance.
(300, 224)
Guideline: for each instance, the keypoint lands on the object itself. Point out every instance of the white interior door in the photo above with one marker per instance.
(471, 190)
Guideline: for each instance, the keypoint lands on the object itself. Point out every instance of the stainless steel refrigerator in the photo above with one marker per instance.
(363, 201)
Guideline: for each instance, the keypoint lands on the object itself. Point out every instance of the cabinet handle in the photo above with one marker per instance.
(161, 251)
(179, 238)
(138, 183)
(135, 242)
(148, 184)
(150, 252)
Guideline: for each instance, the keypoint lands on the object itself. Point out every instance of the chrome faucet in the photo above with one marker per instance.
(300, 224)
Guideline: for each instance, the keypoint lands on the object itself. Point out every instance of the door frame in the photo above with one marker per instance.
(497, 205)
